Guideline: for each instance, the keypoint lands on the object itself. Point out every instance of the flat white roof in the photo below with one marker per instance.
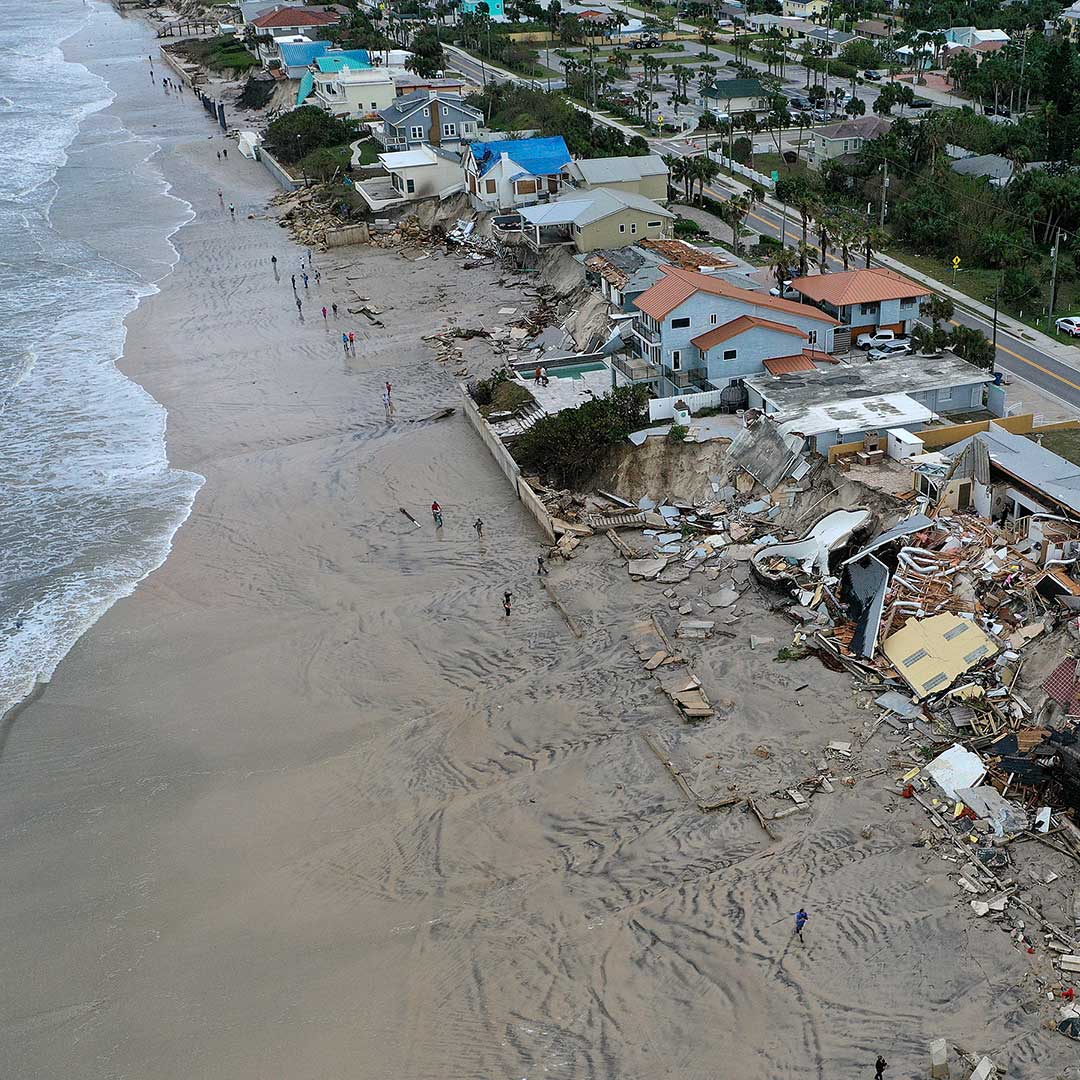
(406, 159)
(858, 414)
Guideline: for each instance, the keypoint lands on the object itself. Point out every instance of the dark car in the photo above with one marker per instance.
(921, 103)
(872, 76)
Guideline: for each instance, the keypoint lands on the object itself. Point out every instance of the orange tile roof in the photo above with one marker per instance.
(295, 16)
(788, 365)
(739, 325)
(858, 286)
(679, 285)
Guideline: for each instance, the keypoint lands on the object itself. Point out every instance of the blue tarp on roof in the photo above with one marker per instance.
(302, 54)
(307, 84)
(354, 59)
(539, 157)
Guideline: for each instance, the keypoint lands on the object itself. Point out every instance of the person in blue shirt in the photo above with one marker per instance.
(801, 919)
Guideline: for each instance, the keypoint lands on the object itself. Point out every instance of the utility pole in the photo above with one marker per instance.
(884, 193)
(997, 298)
(1053, 270)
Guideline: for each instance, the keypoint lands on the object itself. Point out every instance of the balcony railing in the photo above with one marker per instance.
(646, 332)
(636, 368)
(687, 377)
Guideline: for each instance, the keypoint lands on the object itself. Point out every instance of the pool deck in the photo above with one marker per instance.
(562, 394)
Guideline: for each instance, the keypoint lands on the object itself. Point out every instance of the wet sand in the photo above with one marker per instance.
(308, 805)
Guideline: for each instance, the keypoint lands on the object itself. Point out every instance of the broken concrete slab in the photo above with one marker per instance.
(722, 599)
(647, 569)
(985, 1070)
(757, 642)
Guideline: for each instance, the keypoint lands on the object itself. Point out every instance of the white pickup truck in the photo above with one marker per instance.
(876, 339)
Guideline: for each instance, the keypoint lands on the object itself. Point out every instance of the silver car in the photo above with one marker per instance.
(1069, 325)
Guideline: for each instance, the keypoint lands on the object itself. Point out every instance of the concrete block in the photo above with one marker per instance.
(939, 1059)
(985, 1070)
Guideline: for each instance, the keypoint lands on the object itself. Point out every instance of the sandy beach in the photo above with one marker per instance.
(309, 805)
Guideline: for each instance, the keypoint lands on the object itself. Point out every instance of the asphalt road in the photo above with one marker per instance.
(1014, 355)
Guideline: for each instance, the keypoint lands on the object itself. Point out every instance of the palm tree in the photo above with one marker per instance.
(780, 263)
(643, 100)
(872, 238)
(705, 172)
(855, 107)
(798, 192)
(707, 38)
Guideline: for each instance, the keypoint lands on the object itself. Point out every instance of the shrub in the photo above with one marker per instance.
(304, 130)
(677, 433)
(484, 391)
(566, 447)
(741, 149)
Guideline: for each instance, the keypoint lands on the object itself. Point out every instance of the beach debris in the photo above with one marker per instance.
(410, 517)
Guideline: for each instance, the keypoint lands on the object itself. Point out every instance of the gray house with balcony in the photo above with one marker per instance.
(864, 301)
(696, 331)
(431, 118)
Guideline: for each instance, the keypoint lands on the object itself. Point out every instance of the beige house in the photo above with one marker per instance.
(425, 172)
(590, 220)
(845, 137)
(647, 175)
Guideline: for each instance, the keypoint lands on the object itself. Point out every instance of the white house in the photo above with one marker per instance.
(351, 93)
(515, 172)
(425, 172)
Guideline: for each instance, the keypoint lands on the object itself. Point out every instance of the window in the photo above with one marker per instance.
(374, 106)
(655, 224)
(427, 112)
(909, 300)
(416, 132)
(868, 309)
(680, 324)
(633, 227)
(490, 187)
(467, 127)
(449, 131)
(712, 318)
(396, 181)
(525, 187)
(730, 354)
(622, 228)
(676, 359)
(410, 186)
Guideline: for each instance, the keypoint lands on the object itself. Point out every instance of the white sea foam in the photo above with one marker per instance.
(88, 502)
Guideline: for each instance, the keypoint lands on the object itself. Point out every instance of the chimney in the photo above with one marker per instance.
(435, 135)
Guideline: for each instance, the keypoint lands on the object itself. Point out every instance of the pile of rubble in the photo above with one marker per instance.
(306, 216)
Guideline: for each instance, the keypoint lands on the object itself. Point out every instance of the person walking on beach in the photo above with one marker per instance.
(388, 403)
(225, 152)
(318, 276)
(352, 343)
(880, 1066)
(219, 155)
(389, 390)
(436, 513)
(324, 313)
(300, 306)
(478, 525)
(305, 277)
(540, 567)
(333, 308)
(309, 256)
(345, 344)
(801, 919)
(221, 198)
(294, 283)
(273, 261)
(232, 211)
(506, 604)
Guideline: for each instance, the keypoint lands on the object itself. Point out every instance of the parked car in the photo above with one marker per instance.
(921, 103)
(822, 116)
(896, 347)
(1069, 325)
(1000, 110)
(872, 76)
(878, 337)
(646, 41)
(788, 292)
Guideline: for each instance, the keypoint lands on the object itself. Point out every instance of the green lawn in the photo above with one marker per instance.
(223, 53)
(768, 163)
(369, 151)
(1065, 444)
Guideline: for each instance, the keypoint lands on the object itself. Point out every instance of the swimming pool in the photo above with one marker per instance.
(570, 371)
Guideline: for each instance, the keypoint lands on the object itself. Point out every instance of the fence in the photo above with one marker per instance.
(509, 466)
(664, 408)
(766, 182)
(351, 234)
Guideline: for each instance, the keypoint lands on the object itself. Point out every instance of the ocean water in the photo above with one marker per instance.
(88, 501)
